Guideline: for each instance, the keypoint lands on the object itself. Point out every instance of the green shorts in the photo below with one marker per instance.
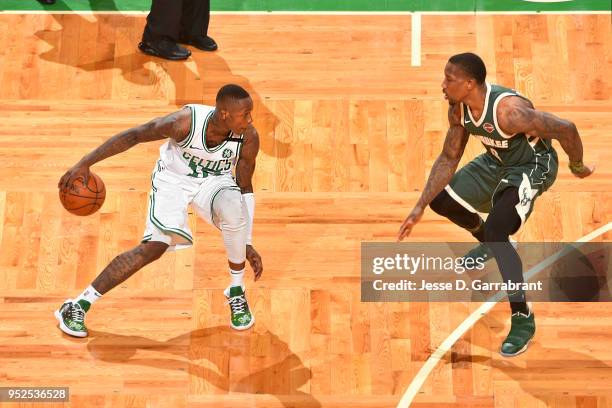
(475, 185)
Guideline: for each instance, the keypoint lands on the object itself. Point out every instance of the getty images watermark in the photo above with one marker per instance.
(422, 263)
(441, 272)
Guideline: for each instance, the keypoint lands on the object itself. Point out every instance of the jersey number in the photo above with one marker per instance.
(494, 153)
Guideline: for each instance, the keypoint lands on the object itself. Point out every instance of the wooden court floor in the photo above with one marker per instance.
(349, 133)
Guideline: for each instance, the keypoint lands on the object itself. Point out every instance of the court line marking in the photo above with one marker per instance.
(444, 347)
(415, 40)
(415, 53)
(319, 13)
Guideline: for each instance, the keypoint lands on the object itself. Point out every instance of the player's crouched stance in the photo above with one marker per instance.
(207, 162)
(518, 166)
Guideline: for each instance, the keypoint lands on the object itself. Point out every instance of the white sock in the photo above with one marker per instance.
(90, 295)
(237, 277)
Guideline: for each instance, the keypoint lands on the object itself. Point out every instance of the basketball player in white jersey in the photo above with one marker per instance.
(205, 146)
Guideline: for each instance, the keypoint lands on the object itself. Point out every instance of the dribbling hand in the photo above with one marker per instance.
(410, 221)
(72, 174)
(255, 261)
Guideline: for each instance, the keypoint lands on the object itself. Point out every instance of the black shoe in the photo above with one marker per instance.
(204, 43)
(164, 48)
(46, 2)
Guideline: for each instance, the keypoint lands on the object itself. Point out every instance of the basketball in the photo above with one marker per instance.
(81, 199)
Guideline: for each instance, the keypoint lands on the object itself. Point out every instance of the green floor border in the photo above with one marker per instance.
(325, 5)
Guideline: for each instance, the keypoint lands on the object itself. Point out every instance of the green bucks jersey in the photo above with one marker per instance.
(508, 150)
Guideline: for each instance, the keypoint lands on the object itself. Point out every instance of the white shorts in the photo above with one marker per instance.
(171, 194)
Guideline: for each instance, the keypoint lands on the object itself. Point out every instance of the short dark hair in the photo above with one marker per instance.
(231, 92)
(471, 64)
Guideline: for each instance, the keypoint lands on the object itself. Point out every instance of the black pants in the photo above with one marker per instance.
(177, 18)
(502, 222)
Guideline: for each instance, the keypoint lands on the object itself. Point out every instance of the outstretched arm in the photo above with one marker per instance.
(244, 178)
(442, 170)
(515, 115)
(175, 125)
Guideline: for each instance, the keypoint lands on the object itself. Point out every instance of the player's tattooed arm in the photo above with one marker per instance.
(442, 171)
(445, 165)
(246, 162)
(244, 178)
(516, 115)
(176, 125)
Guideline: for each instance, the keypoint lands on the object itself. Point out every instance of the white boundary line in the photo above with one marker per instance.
(415, 36)
(319, 13)
(415, 40)
(443, 348)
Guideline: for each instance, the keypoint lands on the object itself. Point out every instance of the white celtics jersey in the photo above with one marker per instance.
(191, 157)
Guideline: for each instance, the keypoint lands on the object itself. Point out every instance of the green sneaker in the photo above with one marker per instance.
(480, 251)
(521, 332)
(71, 318)
(241, 317)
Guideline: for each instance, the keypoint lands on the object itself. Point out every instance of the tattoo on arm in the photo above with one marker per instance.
(527, 120)
(115, 145)
(246, 162)
(446, 164)
(176, 126)
(522, 119)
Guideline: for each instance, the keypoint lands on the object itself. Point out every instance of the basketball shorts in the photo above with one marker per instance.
(171, 194)
(475, 185)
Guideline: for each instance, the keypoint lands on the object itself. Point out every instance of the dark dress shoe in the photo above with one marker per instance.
(164, 48)
(204, 43)
(46, 2)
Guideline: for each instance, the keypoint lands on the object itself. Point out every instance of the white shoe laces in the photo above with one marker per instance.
(522, 314)
(76, 313)
(237, 303)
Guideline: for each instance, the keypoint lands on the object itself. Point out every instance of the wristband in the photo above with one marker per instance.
(576, 167)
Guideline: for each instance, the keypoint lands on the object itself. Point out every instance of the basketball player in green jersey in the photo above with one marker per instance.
(519, 164)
